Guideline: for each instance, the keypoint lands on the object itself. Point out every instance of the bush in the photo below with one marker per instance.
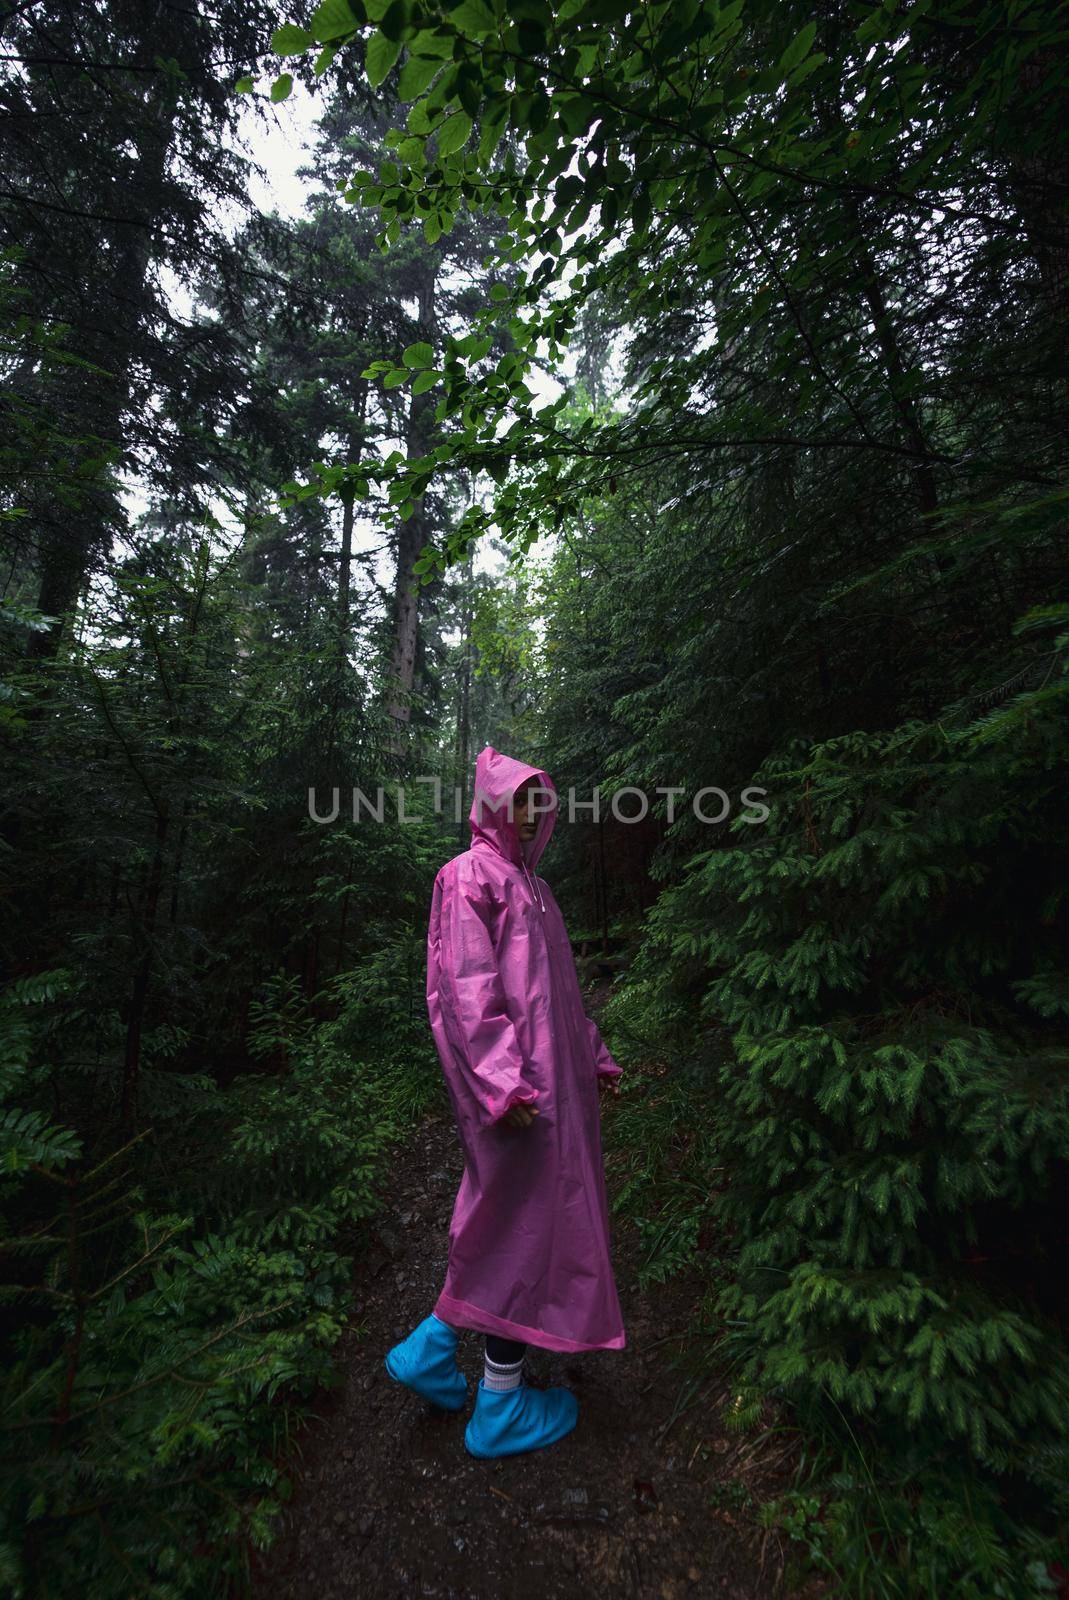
(156, 1357)
(887, 957)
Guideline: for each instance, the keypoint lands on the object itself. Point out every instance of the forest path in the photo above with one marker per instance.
(387, 1502)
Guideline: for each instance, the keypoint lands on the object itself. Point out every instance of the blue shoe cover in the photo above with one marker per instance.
(506, 1422)
(427, 1362)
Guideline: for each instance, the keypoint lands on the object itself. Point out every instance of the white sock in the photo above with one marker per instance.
(502, 1376)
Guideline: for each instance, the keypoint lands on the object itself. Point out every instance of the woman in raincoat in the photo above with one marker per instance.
(529, 1241)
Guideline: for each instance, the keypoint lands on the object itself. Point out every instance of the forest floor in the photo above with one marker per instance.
(647, 1498)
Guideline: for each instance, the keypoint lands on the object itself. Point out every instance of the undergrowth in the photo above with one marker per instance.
(878, 1516)
(171, 1302)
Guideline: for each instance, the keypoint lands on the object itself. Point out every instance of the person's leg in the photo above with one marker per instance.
(427, 1362)
(503, 1363)
(502, 1350)
(509, 1414)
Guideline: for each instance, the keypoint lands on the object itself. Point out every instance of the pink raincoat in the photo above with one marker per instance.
(529, 1247)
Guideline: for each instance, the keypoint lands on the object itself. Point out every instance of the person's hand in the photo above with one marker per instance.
(520, 1116)
(608, 1084)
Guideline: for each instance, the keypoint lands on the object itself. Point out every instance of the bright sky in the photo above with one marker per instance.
(279, 141)
(278, 137)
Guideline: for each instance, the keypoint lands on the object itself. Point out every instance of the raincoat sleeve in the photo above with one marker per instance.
(474, 997)
(606, 1067)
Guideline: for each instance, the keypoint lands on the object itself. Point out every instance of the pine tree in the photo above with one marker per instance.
(887, 957)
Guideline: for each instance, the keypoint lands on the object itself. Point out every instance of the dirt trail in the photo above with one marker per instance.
(387, 1502)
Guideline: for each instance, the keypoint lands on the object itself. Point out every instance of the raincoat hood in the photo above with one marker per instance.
(497, 777)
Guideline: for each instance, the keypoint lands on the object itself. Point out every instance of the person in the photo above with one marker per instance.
(529, 1240)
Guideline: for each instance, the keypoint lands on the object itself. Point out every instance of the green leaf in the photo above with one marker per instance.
(416, 74)
(394, 21)
(810, 64)
(442, 95)
(281, 87)
(532, 35)
(575, 111)
(473, 19)
(419, 119)
(454, 133)
(243, 86)
(289, 40)
(379, 58)
(641, 209)
(425, 381)
(331, 21)
(418, 355)
(429, 43)
(521, 110)
(469, 88)
(876, 25)
(798, 48)
(493, 126)
(475, 347)
(394, 379)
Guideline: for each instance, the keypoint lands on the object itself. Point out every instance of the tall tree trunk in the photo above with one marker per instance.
(895, 366)
(354, 451)
(344, 921)
(463, 742)
(412, 537)
(139, 996)
(90, 408)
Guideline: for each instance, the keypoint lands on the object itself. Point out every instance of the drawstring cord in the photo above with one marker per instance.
(533, 886)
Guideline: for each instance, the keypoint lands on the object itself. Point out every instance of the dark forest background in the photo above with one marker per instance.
(735, 335)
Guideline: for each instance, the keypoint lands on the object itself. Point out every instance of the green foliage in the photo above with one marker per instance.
(160, 1358)
(665, 1150)
(176, 1273)
(862, 1000)
(28, 1137)
(886, 956)
(782, 161)
(807, 470)
(921, 1527)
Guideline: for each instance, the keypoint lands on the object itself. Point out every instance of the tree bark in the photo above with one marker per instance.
(413, 535)
(345, 566)
(90, 408)
(463, 742)
(138, 998)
